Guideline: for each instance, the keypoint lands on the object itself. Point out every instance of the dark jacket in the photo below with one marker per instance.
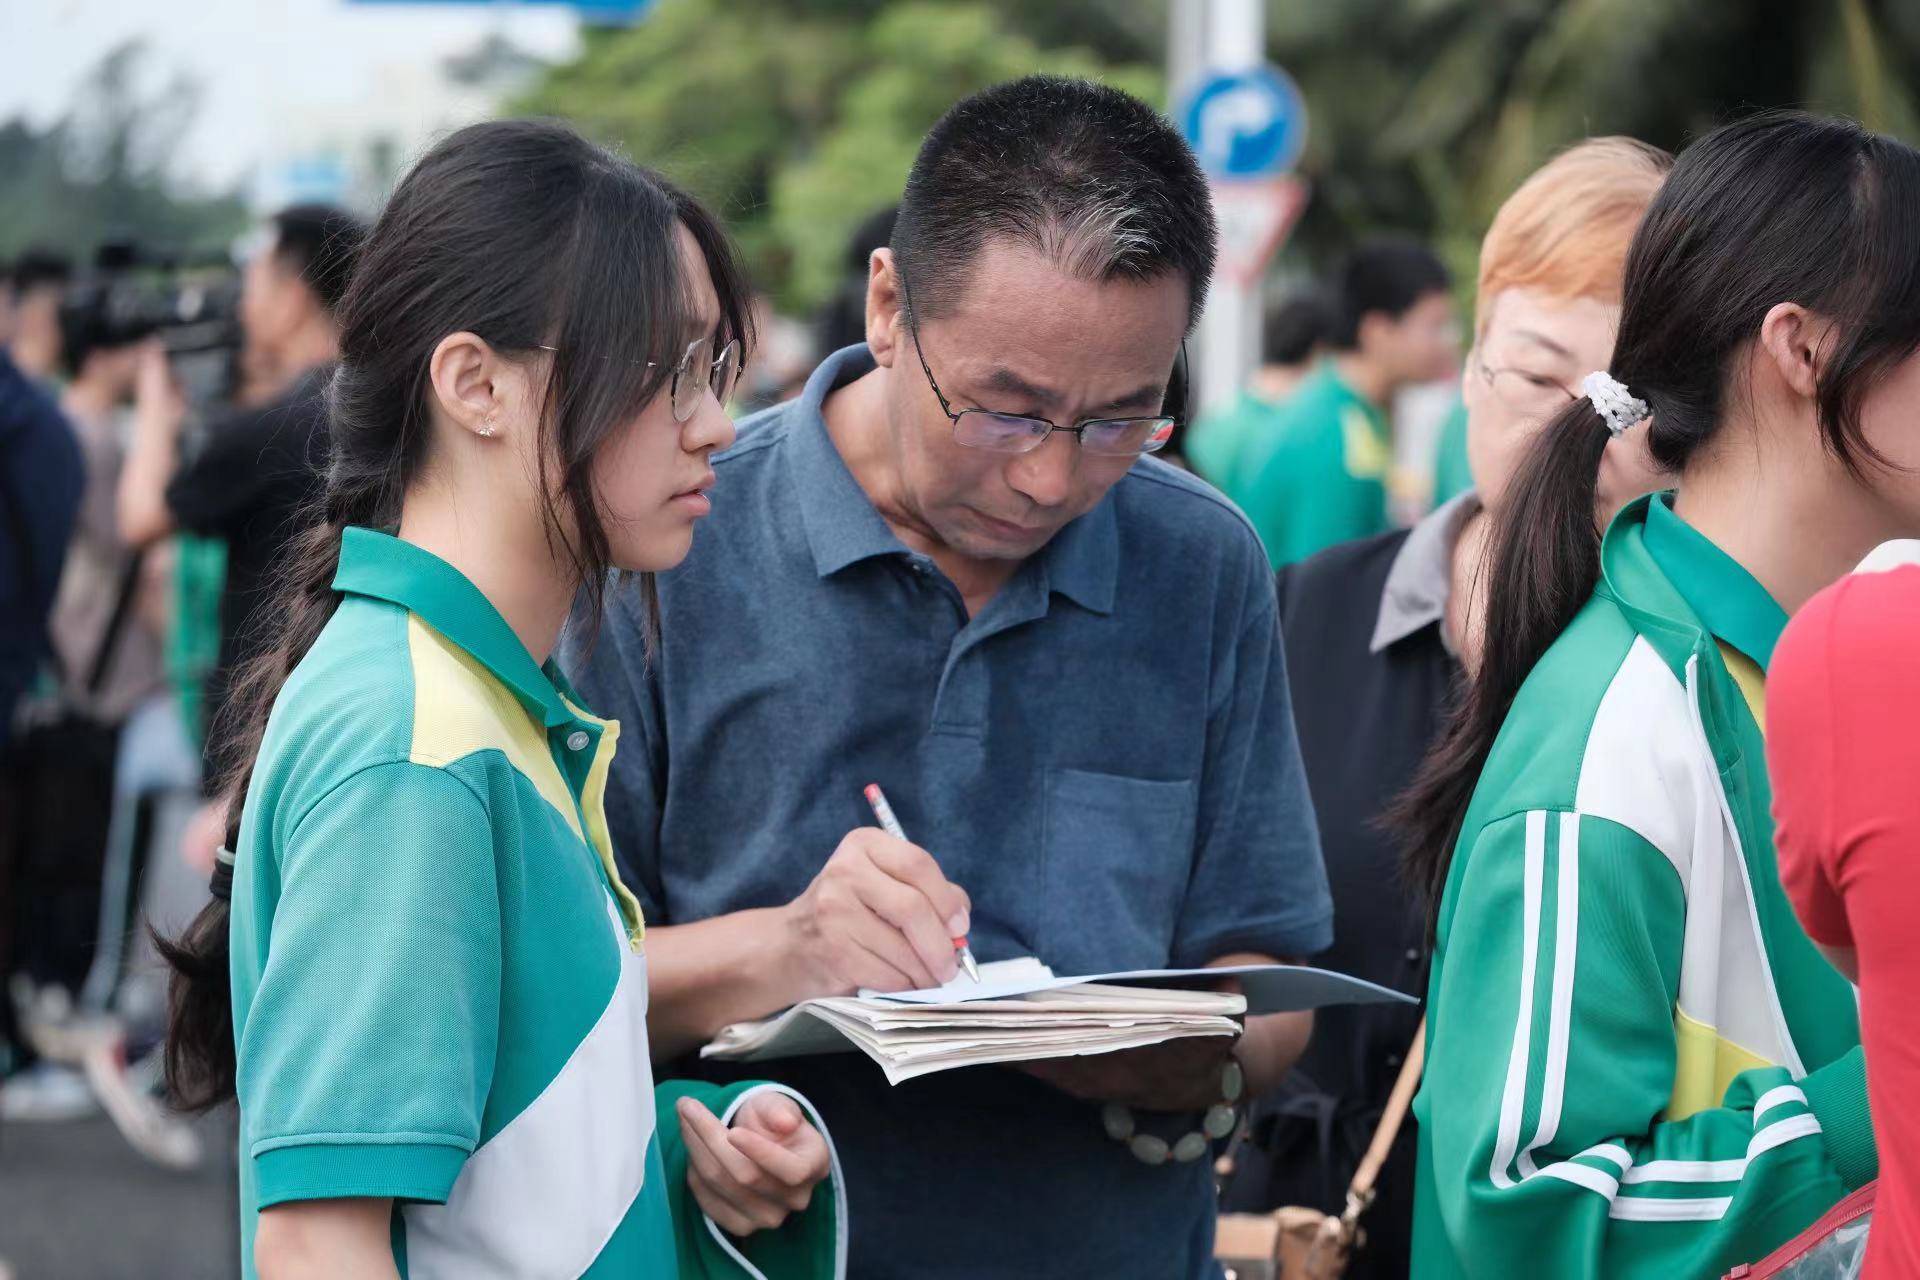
(1365, 719)
(41, 477)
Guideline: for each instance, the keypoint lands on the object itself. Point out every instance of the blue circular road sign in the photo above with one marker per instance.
(1250, 123)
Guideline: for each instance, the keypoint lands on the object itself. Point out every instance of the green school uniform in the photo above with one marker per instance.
(439, 984)
(1319, 474)
(1221, 440)
(1638, 1065)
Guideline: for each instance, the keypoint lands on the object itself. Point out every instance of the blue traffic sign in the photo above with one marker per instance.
(1250, 123)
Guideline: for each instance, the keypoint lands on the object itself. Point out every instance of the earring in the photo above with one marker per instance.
(488, 427)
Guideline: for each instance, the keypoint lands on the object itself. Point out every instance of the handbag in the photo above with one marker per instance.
(1297, 1242)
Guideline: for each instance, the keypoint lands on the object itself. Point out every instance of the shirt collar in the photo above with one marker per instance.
(1732, 604)
(1081, 562)
(382, 567)
(841, 524)
(1420, 580)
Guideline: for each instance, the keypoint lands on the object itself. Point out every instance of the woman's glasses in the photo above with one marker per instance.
(1530, 395)
(698, 370)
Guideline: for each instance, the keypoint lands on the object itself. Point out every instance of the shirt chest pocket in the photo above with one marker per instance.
(1118, 852)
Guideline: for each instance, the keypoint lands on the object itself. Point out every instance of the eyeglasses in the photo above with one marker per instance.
(721, 371)
(1530, 395)
(1013, 433)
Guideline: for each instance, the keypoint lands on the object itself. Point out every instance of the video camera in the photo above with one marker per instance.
(191, 305)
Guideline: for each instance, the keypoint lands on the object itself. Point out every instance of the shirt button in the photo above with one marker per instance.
(1413, 956)
(1393, 1060)
(577, 740)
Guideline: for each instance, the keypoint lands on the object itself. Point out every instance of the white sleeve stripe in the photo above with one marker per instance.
(1566, 936)
(1646, 1210)
(1598, 1181)
(1777, 1097)
(1786, 1131)
(1610, 1151)
(1688, 1171)
(1513, 1100)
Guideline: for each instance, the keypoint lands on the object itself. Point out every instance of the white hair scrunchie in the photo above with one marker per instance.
(1612, 401)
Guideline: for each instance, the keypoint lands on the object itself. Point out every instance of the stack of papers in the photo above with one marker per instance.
(1020, 1012)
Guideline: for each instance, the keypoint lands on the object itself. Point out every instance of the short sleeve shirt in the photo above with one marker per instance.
(439, 994)
(1103, 757)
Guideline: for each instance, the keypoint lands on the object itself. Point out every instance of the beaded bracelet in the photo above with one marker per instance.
(1148, 1148)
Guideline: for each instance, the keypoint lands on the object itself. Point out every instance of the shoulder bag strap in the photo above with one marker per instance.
(1360, 1190)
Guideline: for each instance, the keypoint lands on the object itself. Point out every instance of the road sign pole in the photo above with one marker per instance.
(1233, 38)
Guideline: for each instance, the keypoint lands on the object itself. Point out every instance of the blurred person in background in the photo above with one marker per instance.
(948, 569)
(1292, 341)
(42, 477)
(260, 468)
(1319, 472)
(1843, 750)
(39, 278)
(1377, 632)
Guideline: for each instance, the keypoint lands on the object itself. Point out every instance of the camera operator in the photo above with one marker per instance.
(261, 466)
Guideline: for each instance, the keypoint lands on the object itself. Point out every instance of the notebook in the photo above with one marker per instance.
(1020, 1011)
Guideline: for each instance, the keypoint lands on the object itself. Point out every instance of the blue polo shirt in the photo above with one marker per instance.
(1104, 758)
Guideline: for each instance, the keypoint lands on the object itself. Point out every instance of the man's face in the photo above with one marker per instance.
(1021, 338)
(274, 302)
(1421, 345)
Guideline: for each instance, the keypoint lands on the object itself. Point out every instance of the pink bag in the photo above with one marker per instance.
(1833, 1248)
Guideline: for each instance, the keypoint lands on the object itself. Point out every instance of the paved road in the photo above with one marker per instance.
(77, 1204)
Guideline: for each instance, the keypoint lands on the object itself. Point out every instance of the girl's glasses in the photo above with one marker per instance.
(698, 370)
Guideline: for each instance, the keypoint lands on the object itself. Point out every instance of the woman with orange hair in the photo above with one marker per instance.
(1377, 632)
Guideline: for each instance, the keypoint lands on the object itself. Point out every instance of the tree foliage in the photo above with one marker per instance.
(100, 172)
(797, 120)
(798, 117)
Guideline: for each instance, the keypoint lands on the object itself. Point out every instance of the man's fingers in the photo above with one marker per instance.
(886, 952)
(914, 866)
(909, 912)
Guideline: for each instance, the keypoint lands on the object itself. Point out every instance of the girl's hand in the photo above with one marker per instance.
(750, 1177)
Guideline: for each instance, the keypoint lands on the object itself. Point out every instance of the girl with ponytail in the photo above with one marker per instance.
(429, 994)
(1638, 1065)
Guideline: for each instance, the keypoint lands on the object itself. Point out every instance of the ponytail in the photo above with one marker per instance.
(200, 1049)
(1543, 561)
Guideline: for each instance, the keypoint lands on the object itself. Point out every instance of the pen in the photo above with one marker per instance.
(891, 825)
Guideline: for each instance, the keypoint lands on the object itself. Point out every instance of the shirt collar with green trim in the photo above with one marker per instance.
(383, 567)
(1732, 604)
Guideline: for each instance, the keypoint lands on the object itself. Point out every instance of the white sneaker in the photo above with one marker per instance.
(46, 1093)
(148, 1127)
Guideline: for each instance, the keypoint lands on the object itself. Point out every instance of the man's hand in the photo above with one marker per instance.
(751, 1176)
(1174, 1075)
(879, 915)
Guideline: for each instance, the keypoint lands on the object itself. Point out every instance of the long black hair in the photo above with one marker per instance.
(526, 234)
(1780, 207)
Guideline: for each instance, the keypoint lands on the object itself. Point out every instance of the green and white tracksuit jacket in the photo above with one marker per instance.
(1638, 1065)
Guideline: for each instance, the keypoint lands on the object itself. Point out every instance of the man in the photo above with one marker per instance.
(261, 467)
(1321, 476)
(1292, 342)
(39, 283)
(1058, 659)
